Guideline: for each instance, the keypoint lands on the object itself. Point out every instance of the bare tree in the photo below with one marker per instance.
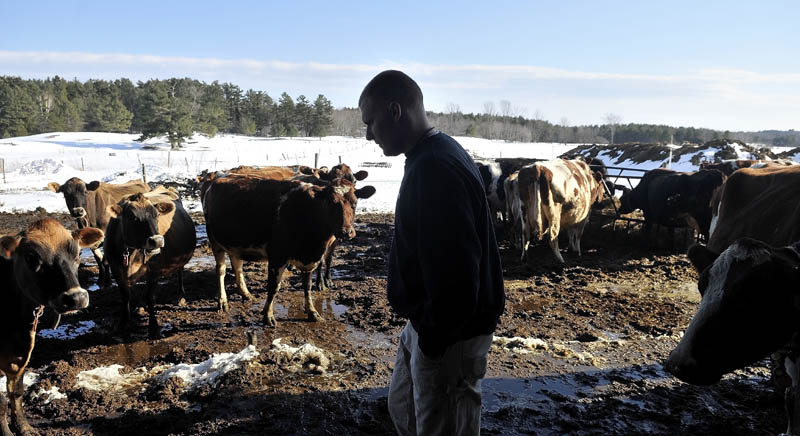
(613, 121)
(505, 108)
(488, 108)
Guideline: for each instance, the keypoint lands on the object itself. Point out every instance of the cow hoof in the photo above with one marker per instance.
(182, 302)
(248, 296)
(222, 307)
(314, 316)
(269, 321)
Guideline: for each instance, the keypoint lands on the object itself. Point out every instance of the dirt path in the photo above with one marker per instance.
(603, 323)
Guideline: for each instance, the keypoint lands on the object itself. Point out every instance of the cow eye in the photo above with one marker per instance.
(33, 261)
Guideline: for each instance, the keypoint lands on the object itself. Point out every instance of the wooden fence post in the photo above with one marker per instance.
(144, 176)
(3, 166)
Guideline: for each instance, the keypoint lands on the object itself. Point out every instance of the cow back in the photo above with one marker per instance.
(762, 204)
(107, 194)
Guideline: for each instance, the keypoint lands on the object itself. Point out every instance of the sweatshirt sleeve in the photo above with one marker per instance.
(449, 253)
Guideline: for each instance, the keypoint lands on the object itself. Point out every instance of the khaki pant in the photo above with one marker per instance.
(438, 396)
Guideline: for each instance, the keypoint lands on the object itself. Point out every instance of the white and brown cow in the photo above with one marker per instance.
(88, 203)
(729, 166)
(557, 194)
(278, 221)
(763, 204)
(150, 235)
(38, 269)
(750, 309)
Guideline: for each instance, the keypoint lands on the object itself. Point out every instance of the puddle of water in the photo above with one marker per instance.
(134, 353)
(499, 393)
(202, 234)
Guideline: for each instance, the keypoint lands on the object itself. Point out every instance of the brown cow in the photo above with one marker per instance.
(555, 194)
(318, 176)
(729, 166)
(38, 269)
(87, 203)
(152, 236)
(763, 204)
(280, 221)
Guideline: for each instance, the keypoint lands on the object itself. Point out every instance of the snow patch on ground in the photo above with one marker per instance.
(305, 358)
(520, 345)
(28, 380)
(192, 375)
(68, 331)
(208, 371)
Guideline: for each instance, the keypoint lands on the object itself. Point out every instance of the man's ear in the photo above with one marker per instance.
(7, 246)
(396, 110)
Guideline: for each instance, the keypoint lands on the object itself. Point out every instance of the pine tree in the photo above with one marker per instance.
(322, 119)
(162, 112)
(304, 115)
(16, 108)
(233, 103)
(284, 117)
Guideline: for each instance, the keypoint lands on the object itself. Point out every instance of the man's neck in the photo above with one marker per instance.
(421, 135)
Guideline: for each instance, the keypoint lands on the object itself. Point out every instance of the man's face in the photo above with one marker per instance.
(382, 127)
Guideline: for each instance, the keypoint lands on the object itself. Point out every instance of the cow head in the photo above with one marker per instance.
(626, 201)
(342, 171)
(138, 222)
(45, 261)
(749, 309)
(341, 199)
(74, 191)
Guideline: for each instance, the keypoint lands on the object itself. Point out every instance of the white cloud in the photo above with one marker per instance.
(711, 97)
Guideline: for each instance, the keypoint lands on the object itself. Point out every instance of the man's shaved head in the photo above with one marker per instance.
(393, 85)
(391, 107)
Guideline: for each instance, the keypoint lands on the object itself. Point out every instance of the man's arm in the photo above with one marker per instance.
(449, 252)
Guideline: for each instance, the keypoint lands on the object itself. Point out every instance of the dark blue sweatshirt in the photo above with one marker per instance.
(444, 265)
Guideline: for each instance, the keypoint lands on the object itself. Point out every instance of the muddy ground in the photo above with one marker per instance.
(607, 320)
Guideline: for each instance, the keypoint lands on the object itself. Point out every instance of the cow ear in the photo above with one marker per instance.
(88, 236)
(92, 186)
(365, 192)
(701, 257)
(53, 186)
(7, 246)
(114, 210)
(361, 175)
(165, 207)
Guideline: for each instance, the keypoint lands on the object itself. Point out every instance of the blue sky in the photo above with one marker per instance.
(714, 64)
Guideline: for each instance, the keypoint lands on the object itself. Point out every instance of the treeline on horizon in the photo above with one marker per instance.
(176, 108)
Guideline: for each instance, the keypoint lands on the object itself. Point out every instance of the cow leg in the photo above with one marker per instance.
(16, 389)
(6, 431)
(324, 270)
(274, 277)
(153, 328)
(103, 271)
(552, 236)
(222, 300)
(792, 365)
(237, 265)
(309, 304)
(125, 310)
(181, 289)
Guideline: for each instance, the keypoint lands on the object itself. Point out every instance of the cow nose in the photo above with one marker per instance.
(74, 299)
(350, 233)
(78, 212)
(154, 242)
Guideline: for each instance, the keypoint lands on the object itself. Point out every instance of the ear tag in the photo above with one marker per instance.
(125, 258)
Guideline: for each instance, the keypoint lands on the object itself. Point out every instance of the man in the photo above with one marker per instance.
(444, 266)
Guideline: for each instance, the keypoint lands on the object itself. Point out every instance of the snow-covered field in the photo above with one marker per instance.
(32, 162)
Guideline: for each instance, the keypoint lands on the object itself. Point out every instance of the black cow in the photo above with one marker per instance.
(665, 196)
(750, 308)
